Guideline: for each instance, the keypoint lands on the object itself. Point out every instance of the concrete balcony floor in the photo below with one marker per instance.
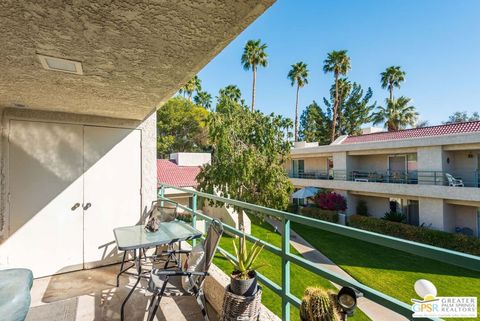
(91, 295)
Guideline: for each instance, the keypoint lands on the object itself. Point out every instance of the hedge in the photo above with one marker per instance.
(318, 213)
(456, 242)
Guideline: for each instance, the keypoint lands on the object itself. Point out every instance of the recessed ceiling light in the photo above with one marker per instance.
(59, 64)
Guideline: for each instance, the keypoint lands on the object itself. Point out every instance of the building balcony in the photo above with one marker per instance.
(454, 178)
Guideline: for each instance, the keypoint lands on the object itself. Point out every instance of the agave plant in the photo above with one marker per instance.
(245, 258)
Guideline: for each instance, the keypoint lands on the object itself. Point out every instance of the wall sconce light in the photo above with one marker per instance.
(448, 160)
(470, 155)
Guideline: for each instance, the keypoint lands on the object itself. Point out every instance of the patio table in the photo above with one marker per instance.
(135, 238)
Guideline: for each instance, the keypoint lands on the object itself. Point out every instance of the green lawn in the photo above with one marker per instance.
(300, 278)
(391, 271)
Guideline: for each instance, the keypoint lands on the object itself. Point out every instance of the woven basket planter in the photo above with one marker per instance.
(241, 308)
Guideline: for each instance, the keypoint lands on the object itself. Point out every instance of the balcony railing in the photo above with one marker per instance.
(283, 290)
(455, 178)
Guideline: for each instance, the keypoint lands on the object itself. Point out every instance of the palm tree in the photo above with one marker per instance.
(254, 55)
(392, 77)
(203, 99)
(337, 62)
(397, 114)
(194, 84)
(298, 75)
(232, 92)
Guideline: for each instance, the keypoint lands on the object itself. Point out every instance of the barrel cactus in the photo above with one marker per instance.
(319, 305)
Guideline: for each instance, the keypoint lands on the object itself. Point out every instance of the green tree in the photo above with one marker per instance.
(315, 124)
(392, 77)
(298, 75)
(354, 108)
(462, 116)
(204, 99)
(181, 127)
(249, 153)
(193, 85)
(254, 55)
(337, 62)
(231, 92)
(398, 114)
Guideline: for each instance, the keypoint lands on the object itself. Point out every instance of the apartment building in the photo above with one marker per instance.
(430, 174)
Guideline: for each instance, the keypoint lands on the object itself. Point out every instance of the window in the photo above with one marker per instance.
(298, 166)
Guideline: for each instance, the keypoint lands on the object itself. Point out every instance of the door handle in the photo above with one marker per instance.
(87, 206)
(74, 207)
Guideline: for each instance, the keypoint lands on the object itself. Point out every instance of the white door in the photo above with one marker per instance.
(45, 184)
(112, 166)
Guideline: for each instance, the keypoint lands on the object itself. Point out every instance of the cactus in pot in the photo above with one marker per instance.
(319, 305)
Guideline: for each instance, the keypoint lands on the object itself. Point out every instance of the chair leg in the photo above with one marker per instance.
(153, 307)
(202, 303)
(155, 302)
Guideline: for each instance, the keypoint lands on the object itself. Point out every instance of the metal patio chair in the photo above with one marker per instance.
(169, 282)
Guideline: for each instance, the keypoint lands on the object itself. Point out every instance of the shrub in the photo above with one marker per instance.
(456, 242)
(292, 208)
(331, 201)
(362, 208)
(320, 214)
(393, 216)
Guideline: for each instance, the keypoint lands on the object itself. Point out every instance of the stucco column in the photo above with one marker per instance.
(430, 165)
(341, 165)
(435, 214)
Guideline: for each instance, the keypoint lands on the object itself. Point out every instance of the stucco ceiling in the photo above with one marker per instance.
(135, 54)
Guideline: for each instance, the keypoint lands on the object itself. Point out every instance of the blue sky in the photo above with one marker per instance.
(437, 43)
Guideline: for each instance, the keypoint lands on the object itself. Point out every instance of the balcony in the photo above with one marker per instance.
(290, 260)
(454, 178)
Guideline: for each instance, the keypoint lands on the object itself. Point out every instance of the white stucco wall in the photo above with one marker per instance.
(191, 159)
(465, 216)
(377, 206)
(369, 163)
(148, 149)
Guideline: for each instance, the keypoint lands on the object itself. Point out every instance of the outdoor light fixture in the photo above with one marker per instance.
(347, 300)
(60, 64)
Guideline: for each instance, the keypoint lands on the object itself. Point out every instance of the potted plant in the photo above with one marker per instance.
(319, 305)
(243, 280)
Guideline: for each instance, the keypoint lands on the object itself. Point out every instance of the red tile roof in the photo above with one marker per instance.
(439, 130)
(181, 176)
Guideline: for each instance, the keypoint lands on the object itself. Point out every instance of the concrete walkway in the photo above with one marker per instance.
(373, 310)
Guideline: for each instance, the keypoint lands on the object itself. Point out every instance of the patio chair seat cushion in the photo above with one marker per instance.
(173, 288)
(15, 285)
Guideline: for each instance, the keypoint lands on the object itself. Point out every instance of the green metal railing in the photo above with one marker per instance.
(451, 257)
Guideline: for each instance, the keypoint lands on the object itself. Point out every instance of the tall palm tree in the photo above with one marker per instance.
(392, 77)
(203, 99)
(337, 62)
(398, 114)
(232, 92)
(194, 84)
(254, 55)
(298, 75)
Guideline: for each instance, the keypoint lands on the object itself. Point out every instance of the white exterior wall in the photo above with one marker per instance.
(436, 214)
(370, 163)
(191, 159)
(466, 216)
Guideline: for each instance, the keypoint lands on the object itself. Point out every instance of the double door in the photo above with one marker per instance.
(69, 186)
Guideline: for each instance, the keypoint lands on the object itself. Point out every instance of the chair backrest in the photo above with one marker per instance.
(450, 178)
(210, 244)
(214, 234)
(165, 211)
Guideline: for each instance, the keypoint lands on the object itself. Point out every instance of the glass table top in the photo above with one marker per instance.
(135, 237)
